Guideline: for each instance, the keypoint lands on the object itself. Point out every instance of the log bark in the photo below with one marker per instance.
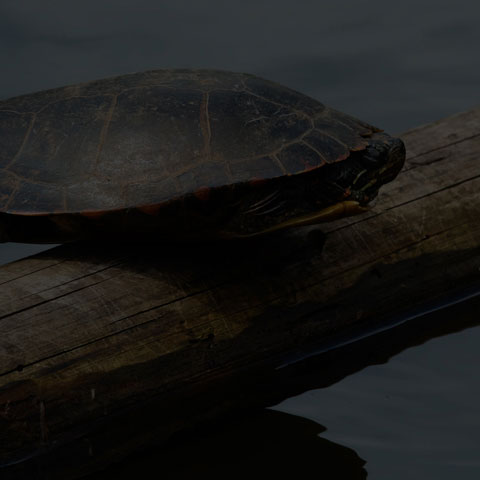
(106, 347)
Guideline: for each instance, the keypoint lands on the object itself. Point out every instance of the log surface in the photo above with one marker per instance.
(97, 343)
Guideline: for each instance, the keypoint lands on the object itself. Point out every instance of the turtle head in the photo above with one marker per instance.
(330, 192)
(366, 171)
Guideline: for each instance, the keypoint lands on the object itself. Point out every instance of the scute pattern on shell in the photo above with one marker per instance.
(146, 138)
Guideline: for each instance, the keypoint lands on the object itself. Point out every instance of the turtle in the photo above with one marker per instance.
(182, 154)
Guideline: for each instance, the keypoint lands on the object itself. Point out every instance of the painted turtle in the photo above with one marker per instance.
(182, 154)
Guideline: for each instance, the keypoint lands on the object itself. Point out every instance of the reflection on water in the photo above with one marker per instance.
(418, 415)
(265, 445)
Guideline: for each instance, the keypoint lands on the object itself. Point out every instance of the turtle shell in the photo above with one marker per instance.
(146, 139)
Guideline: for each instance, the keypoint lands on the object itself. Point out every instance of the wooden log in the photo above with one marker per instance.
(104, 348)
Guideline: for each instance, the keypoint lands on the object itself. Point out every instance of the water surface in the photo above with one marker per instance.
(417, 416)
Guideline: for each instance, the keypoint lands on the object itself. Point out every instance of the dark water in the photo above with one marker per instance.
(394, 64)
(417, 416)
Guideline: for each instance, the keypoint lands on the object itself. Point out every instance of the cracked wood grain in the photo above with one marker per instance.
(205, 126)
(154, 325)
(24, 143)
(104, 130)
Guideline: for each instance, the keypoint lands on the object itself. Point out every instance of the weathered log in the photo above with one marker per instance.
(103, 348)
